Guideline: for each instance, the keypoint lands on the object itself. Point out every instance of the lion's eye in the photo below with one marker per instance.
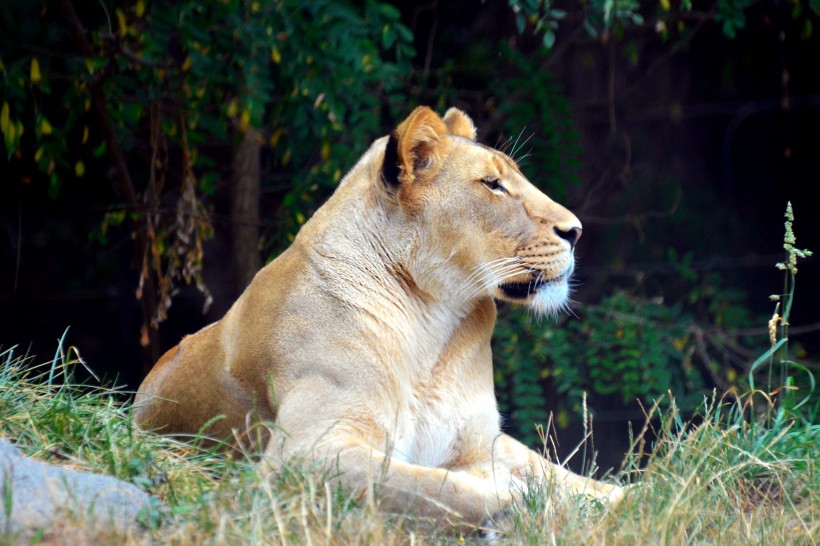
(494, 185)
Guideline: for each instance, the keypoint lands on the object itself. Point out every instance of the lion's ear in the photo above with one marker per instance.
(416, 145)
(458, 123)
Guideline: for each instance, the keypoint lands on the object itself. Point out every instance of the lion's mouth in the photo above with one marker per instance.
(523, 290)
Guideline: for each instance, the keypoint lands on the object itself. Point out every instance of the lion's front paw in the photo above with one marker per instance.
(613, 495)
(494, 528)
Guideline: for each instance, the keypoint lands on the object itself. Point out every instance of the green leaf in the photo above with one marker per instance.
(389, 11)
(99, 151)
(549, 38)
(520, 22)
(131, 113)
(764, 358)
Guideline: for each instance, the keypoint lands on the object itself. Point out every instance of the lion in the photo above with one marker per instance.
(365, 346)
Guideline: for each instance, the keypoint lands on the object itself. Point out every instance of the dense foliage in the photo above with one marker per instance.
(175, 85)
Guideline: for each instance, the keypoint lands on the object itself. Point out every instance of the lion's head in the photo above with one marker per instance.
(498, 235)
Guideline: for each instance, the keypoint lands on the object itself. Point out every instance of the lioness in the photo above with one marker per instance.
(367, 342)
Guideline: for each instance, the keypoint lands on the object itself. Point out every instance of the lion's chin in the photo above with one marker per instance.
(551, 299)
(545, 297)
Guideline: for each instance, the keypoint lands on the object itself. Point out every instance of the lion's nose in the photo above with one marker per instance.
(570, 235)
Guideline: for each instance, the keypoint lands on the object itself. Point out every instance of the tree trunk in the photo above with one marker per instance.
(245, 190)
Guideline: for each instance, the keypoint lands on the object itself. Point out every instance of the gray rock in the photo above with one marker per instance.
(63, 504)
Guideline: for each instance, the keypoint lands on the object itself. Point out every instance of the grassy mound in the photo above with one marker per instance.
(723, 478)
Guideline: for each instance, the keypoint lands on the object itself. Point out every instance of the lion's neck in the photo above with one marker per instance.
(377, 268)
(383, 244)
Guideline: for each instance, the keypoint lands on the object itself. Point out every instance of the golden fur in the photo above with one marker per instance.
(367, 342)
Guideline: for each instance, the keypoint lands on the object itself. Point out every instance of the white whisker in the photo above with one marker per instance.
(520, 160)
(514, 146)
(489, 265)
(490, 274)
(480, 276)
(517, 147)
(494, 278)
(491, 269)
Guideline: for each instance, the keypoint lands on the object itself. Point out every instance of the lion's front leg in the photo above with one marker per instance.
(525, 464)
(444, 495)
(440, 493)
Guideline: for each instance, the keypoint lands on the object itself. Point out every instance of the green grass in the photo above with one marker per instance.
(721, 478)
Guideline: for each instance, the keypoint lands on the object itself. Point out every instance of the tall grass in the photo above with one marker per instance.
(743, 471)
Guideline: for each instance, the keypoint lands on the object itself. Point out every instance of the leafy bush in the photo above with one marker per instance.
(623, 348)
(159, 94)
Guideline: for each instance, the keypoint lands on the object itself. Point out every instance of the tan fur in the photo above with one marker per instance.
(367, 342)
